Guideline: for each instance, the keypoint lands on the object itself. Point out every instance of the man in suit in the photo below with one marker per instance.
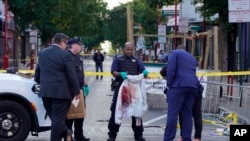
(182, 84)
(58, 84)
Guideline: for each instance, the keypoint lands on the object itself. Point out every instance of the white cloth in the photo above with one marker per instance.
(133, 104)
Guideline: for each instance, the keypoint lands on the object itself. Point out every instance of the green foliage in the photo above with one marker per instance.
(145, 16)
(160, 3)
(211, 8)
(112, 51)
(116, 26)
(83, 18)
(21, 8)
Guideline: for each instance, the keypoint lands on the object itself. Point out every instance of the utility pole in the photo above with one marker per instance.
(5, 57)
(130, 22)
(175, 23)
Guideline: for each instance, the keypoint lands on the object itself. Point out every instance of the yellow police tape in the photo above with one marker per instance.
(152, 74)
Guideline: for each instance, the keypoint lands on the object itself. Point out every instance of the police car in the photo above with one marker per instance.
(21, 110)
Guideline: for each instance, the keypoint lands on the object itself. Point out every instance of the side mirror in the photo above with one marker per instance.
(36, 88)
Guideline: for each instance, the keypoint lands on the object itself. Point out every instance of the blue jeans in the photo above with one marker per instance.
(97, 66)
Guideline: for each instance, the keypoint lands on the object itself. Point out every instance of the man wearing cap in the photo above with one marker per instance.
(74, 48)
(58, 84)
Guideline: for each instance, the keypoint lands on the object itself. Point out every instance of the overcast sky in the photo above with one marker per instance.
(114, 3)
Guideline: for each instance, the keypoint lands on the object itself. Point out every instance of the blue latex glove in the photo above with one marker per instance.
(145, 73)
(123, 75)
(86, 90)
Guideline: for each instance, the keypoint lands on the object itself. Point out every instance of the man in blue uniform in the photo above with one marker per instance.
(75, 47)
(182, 84)
(121, 66)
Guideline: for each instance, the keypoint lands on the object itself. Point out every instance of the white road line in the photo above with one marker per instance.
(154, 120)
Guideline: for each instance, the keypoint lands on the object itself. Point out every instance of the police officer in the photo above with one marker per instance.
(121, 66)
(75, 47)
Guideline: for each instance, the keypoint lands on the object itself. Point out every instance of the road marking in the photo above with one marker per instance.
(154, 120)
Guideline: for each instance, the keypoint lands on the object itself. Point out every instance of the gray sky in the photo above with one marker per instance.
(114, 3)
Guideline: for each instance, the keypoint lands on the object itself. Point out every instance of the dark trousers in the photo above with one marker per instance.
(57, 110)
(78, 124)
(180, 100)
(197, 115)
(114, 128)
(97, 67)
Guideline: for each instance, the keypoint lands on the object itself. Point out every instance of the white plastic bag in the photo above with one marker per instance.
(136, 105)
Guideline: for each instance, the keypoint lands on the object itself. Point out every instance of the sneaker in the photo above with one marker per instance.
(111, 139)
(140, 138)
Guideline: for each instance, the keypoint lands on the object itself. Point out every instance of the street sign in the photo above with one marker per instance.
(239, 16)
(183, 24)
(239, 11)
(170, 12)
(162, 31)
(238, 5)
(33, 36)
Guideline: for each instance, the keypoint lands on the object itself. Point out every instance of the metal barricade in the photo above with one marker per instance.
(221, 108)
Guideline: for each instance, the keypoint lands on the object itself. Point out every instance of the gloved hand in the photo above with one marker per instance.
(86, 90)
(145, 73)
(123, 75)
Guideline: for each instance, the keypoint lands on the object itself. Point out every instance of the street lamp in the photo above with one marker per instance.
(5, 57)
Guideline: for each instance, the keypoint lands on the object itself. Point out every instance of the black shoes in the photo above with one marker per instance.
(111, 139)
(140, 138)
(83, 138)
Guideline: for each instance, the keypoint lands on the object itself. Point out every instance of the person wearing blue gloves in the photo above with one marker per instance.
(75, 46)
(123, 65)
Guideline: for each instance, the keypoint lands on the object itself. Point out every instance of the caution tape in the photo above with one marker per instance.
(98, 73)
(153, 74)
(223, 73)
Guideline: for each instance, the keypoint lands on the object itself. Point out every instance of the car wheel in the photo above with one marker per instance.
(15, 122)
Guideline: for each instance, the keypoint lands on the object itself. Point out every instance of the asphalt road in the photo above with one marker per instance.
(96, 121)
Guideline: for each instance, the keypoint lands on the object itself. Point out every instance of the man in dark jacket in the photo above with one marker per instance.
(98, 58)
(58, 84)
(75, 47)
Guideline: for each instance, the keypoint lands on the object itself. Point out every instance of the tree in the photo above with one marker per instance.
(84, 19)
(116, 29)
(74, 18)
(118, 18)
(160, 3)
(145, 14)
(210, 8)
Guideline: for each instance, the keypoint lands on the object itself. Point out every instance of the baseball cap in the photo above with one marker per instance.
(75, 40)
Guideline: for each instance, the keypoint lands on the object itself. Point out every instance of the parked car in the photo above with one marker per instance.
(21, 110)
